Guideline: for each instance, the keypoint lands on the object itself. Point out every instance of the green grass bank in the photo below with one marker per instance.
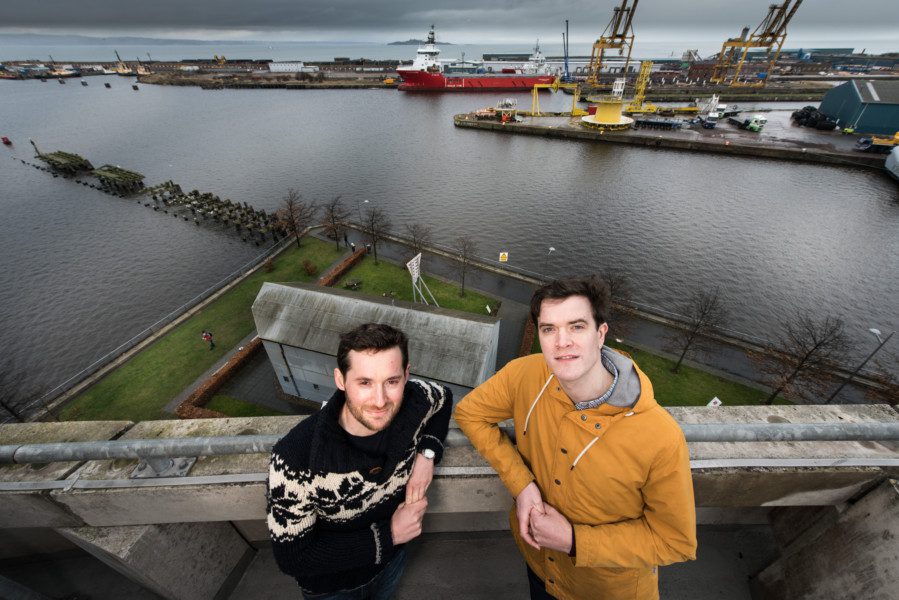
(386, 277)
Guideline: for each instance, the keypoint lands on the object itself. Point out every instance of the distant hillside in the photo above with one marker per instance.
(414, 42)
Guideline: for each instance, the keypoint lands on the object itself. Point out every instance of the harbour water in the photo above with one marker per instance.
(82, 271)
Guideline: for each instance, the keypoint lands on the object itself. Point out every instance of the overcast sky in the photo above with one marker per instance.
(461, 21)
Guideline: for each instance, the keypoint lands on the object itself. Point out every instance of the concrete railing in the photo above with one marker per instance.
(98, 484)
(255, 444)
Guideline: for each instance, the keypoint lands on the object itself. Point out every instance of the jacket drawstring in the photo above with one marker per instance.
(537, 399)
(593, 441)
(583, 452)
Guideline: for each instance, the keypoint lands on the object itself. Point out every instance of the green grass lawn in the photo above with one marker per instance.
(387, 277)
(690, 387)
(233, 407)
(139, 389)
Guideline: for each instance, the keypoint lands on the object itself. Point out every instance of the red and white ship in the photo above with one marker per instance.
(428, 73)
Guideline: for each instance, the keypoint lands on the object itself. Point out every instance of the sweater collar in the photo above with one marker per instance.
(329, 435)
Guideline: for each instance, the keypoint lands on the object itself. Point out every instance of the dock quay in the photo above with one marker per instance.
(778, 142)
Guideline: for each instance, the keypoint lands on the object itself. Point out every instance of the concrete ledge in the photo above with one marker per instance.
(35, 508)
(755, 475)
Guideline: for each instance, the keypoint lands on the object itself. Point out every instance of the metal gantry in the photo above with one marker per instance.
(770, 35)
(617, 35)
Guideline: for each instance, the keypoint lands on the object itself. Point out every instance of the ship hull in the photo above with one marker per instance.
(422, 81)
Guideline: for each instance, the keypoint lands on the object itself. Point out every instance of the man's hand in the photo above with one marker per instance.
(550, 529)
(405, 524)
(422, 474)
(529, 499)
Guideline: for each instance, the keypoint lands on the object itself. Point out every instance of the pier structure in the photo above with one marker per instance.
(245, 219)
(65, 162)
(119, 180)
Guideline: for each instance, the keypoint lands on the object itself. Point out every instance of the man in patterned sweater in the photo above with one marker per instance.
(347, 485)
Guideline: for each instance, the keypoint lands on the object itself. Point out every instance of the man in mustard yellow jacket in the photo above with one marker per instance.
(601, 472)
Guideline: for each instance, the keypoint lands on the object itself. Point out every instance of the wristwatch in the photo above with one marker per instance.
(428, 453)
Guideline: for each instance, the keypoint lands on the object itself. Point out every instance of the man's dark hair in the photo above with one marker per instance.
(371, 336)
(590, 286)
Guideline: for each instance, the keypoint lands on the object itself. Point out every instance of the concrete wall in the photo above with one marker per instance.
(856, 557)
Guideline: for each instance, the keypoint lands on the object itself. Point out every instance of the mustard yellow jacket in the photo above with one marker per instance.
(629, 495)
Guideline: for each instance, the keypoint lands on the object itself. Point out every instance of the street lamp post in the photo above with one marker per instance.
(882, 341)
(359, 206)
(546, 259)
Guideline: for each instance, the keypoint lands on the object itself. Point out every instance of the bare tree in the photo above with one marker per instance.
(419, 237)
(295, 215)
(376, 226)
(621, 295)
(335, 213)
(466, 250)
(704, 313)
(799, 363)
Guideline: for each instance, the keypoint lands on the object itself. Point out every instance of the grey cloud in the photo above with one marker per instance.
(318, 18)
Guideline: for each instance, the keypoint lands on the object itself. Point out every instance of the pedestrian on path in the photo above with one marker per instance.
(353, 247)
(207, 337)
(346, 240)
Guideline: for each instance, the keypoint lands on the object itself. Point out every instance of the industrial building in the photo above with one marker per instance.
(865, 105)
(291, 67)
(300, 327)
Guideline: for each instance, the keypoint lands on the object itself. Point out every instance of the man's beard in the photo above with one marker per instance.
(359, 414)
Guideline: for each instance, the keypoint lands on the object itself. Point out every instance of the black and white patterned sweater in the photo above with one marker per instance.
(328, 511)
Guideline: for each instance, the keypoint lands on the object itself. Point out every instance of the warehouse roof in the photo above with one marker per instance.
(447, 345)
(879, 91)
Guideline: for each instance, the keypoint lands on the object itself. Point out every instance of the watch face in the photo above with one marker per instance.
(429, 454)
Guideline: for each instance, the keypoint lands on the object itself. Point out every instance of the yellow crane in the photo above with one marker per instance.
(636, 105)
(555, 86)
(770, 35)
(617, 35)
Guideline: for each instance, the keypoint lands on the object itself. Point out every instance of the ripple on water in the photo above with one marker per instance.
(81, 271)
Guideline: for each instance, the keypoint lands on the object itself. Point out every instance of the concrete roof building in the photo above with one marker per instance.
(300, 326)
(866, 105)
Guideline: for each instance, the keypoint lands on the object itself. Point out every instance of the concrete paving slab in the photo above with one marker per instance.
(488, 566)
(255, 383)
